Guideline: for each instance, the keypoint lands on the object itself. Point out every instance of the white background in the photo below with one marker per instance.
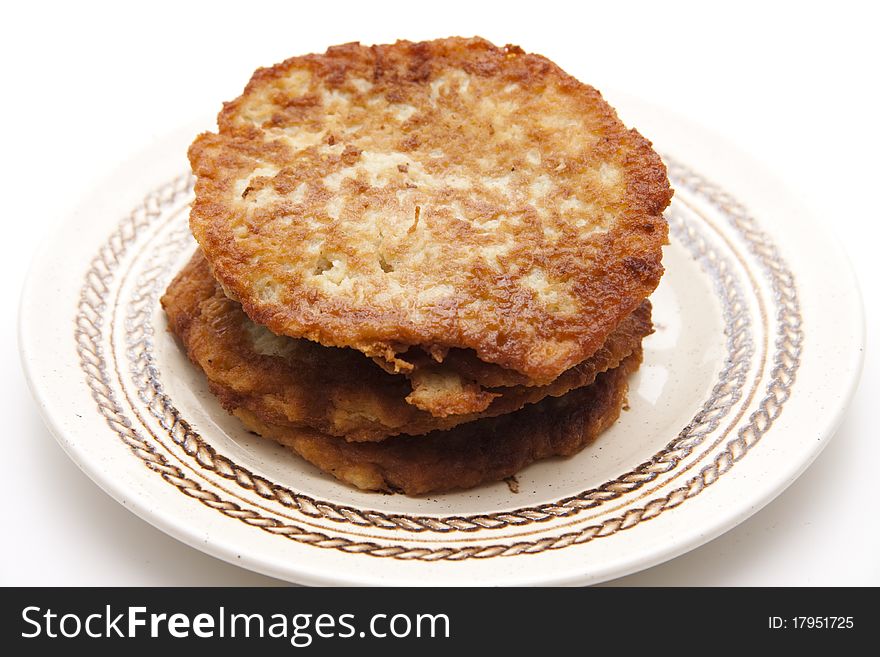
(85, 86)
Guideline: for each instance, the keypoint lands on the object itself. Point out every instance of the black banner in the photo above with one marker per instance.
(283, 621)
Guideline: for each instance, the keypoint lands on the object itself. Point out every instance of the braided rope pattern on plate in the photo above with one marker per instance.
(725, 393)
(89, 333)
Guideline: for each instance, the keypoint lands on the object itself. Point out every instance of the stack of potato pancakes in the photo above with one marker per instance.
(422, 266)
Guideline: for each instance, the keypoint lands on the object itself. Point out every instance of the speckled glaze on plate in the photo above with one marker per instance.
(756, 354)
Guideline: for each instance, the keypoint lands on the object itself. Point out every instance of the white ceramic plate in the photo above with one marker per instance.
(757, 352)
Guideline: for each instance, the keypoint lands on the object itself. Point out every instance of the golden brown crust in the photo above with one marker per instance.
(299, 383)
(447, 194)
(483, 451)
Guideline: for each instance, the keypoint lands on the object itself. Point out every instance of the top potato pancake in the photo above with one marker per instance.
(444, 194)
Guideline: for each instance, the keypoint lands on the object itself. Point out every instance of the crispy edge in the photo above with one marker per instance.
(209, 325)
(472, 454)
